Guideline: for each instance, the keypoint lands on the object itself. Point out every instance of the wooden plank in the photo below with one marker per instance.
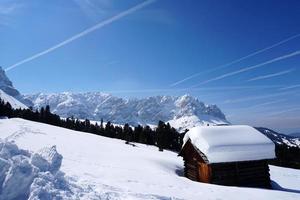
(254, 175)
(190, 165)
(191, 176)
(251, 178)
(261, 167)
(192, 172)
(204, 173)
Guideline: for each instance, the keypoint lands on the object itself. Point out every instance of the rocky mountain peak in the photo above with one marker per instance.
(6, 85)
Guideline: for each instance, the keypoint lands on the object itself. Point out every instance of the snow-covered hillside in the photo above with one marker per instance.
(96, 167)
(279, 138)
(182, 112)
(11, 100)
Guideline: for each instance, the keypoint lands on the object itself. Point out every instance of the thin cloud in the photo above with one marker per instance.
(251, 98)
(84, 33)
(185, 79)
(270, 75)
(268, 103)
(265, 104)
(8, 9)
(94, 8)
(254, 108)
(284, 111)
(290, 87)
(296, 53)
(237, 60)
(195, 89)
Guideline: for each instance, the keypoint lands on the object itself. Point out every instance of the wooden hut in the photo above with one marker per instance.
(227, 155)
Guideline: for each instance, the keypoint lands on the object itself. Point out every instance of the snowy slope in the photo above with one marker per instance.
(182, 112)
(109, 169)
(11, 100)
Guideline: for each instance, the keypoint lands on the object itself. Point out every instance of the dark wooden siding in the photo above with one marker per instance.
(195, 164)
(246, 173)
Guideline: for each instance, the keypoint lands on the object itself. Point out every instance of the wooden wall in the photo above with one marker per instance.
(195, 164)
(246, 173)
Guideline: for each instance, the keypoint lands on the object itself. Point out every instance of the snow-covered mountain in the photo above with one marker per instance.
(8, 93)
(7, 87)
(182, 112)
(40, 161)
(11, 100)
(279, 138)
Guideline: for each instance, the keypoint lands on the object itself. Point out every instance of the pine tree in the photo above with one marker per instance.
(160, 132)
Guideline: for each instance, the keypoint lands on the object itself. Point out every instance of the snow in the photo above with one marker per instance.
(6, 85)
(95, 167)
(47, 159)
(279, 138)
(22, 177)
(11, 100)
(182, 111)
(187, 122)
(231, 143)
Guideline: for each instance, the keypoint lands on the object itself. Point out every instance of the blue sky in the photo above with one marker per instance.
(153, 50)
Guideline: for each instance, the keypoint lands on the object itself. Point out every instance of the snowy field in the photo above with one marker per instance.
(95, 167)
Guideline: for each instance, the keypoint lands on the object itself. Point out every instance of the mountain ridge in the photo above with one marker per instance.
(6, 85)
(180, 111)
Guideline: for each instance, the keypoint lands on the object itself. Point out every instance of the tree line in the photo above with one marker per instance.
(164, 136)
(287, 156)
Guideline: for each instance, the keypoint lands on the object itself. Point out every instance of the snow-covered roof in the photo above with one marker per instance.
(231, 143)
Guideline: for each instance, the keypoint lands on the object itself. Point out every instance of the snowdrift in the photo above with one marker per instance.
(32, 176)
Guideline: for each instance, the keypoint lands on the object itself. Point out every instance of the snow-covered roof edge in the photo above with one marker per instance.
(231, 143)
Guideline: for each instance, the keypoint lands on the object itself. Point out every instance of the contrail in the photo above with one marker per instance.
(261, 105)
(270, 75)
(252, 98)
(268, 103)
(265, 104)
(283, 111)
(290, 87)
(237, 60)
(249, 68)
(194, 89)
(83, 33)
